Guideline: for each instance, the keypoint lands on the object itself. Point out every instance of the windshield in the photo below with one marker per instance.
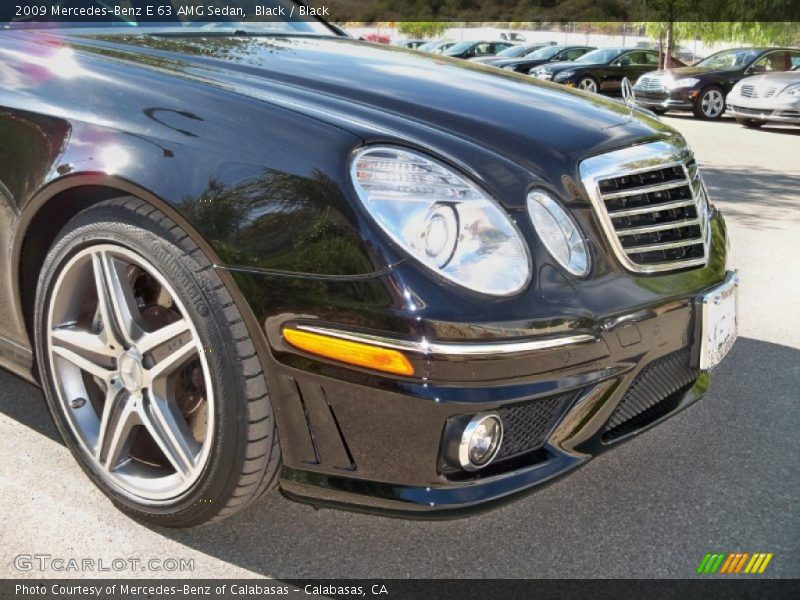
(514, 51)
(546, 52)
(729, 59)
(459, 47)
(136, 13)
(603, 55)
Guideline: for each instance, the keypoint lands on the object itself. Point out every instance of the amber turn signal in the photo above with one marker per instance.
(353, 353)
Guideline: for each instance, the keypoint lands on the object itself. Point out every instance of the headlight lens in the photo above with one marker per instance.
(442, 219)
(683, 83)
(792, 90)
(558, 232)
(565, 74)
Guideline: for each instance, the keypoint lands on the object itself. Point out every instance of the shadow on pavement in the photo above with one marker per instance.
(722, 475)
(728, 120)
(758, 199)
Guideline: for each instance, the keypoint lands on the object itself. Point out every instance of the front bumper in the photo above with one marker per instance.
(678, 99)
(372, 442)
(778, 110)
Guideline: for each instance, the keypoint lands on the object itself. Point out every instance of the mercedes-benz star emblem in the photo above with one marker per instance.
(628, 95)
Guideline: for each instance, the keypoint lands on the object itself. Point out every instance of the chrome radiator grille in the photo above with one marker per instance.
(652, 205)
(650, 84)
(752, 91)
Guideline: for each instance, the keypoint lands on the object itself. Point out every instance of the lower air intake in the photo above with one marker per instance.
(655, 392)
(526, 426)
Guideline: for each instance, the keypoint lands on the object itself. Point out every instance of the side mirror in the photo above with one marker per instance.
(624, 62)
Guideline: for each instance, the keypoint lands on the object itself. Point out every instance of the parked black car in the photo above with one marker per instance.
(540, 57)
(510, 53)
(601, 70)
(704, 87)
(434, 297)
(479, 48)
(410, 44)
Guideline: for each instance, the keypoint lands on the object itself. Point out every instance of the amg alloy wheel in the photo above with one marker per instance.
(147, 372)
(710, 104)
(588, 84)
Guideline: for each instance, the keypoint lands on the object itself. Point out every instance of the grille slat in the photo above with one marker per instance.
(659, 215)
(647, 189)
(660, 246)
(650, 208)
(659, 227)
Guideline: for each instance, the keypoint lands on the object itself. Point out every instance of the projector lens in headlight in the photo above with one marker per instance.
(558, 232)
(442, 219)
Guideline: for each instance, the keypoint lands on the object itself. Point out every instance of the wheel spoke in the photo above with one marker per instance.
(172, 361)
(152, 340)
(115, 298)
(83, 363)
(170, 431)
(116, 424)
(80, 341)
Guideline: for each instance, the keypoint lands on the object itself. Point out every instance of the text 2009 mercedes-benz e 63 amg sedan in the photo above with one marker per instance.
(243, 258)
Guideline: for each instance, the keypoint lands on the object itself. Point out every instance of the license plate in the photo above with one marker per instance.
(718, 327)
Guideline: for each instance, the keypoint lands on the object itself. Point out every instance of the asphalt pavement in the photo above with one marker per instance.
(723, 475)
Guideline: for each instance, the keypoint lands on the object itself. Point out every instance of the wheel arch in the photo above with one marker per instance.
(44, 216)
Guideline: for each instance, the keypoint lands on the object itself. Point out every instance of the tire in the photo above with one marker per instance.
(710, 104)
(165, 357)
(749, 123)
(588, 84)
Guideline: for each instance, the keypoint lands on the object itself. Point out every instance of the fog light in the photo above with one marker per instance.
(480, 441)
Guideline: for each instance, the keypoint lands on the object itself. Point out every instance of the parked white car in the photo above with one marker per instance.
(773, 97)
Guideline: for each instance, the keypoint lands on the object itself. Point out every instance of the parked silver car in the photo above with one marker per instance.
(774, 97)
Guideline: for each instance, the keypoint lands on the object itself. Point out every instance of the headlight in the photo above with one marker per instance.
(682, 83)
(558, 233)
(792, 90)
(509, 68)
(565, 74)
(442, 219)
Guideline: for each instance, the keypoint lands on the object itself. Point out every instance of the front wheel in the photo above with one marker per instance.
(588, 84)
(710, 104)
(149, 371)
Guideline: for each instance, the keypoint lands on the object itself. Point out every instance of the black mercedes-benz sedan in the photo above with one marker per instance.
(704, 87)
(601, 70)
(509, 54)
(543, 55)
(476, 49)
(262, 255)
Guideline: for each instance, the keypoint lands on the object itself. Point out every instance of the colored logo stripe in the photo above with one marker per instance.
(734, 562)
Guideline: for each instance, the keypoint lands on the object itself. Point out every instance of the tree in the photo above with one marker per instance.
(757, 33)
(422, 29)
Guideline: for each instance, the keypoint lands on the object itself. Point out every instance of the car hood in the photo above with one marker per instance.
(679, 72)
(533, 62)
(383, 92)
(570, 64)
(782, 79)
(486, 59)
